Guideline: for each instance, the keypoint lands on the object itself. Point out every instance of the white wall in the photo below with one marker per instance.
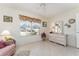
(14, 27)
(64, 17)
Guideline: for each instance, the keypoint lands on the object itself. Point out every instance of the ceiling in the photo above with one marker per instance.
(42, 9)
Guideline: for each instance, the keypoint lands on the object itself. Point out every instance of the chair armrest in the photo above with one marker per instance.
(8, 50)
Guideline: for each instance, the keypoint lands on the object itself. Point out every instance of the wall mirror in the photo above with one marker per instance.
(71, 21)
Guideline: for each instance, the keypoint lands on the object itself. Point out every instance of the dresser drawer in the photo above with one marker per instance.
(61, 39)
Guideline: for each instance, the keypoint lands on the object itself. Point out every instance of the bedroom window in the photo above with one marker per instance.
(25, 28)
(35, 28)
(29, 26)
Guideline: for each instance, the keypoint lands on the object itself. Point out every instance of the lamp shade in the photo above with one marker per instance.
(5, 32)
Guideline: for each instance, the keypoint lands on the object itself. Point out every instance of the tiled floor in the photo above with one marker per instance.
(49, 49)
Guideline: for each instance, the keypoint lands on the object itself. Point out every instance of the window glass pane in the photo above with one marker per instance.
(35, 28)
(25, 27)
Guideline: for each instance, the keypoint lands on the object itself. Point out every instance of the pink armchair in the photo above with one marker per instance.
(8, 50)
(7, 44)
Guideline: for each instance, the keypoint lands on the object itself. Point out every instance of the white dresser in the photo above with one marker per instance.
(58, 38)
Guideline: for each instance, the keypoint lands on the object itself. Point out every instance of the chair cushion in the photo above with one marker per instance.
(9, 42)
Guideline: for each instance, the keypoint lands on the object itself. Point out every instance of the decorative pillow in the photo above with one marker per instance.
(7, 38)
(9, 42)
(2, 44)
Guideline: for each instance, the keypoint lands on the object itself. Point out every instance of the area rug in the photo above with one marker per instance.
(22, 53)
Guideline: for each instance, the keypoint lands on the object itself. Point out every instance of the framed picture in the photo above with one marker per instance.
(44, 24)
(7, 19)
